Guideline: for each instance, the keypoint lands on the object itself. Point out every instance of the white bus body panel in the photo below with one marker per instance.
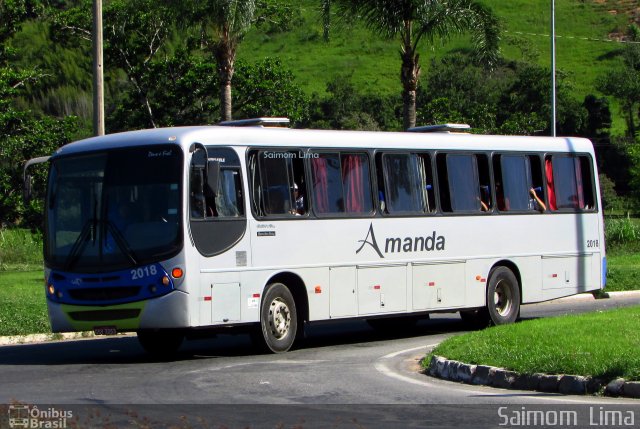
(421, 264)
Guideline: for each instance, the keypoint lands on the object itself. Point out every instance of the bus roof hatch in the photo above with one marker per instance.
(257, 122)
(441, 128)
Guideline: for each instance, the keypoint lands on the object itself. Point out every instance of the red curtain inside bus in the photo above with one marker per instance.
(352, 181)
(551, 192)
(320, 185)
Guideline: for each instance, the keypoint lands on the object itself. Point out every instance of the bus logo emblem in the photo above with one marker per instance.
(370, 236)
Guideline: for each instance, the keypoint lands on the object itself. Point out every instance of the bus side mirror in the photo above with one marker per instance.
(213, 176)
(27, 179)
(26, 188)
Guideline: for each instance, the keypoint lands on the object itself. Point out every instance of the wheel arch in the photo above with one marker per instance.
(298, 289)
(514, 269)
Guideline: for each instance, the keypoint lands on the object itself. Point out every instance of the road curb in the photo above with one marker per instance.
(41, 338)
(452, 370)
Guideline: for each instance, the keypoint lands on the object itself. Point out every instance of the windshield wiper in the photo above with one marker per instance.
(122, 242)
(80, 243)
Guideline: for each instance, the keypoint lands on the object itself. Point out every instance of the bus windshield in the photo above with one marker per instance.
(113, 210)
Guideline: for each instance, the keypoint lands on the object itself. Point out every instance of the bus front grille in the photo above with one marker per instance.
(104, 294)
(104, 315)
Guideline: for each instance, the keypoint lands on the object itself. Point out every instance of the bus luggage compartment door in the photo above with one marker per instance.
(225, 302)
(382, 289)
(342, 292)
(438, 285)
(572, 272)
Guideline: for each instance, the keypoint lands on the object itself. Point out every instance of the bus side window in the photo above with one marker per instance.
(513, 182)
(199, 206)
(586, 182)
(484, 179)
(427, 182)
(408, 181)
(341, 184)
(228, 200)
(573, 182)
(459, 183)
(278, 183)
(537, 176)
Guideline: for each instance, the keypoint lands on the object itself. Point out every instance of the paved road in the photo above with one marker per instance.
(341, 364)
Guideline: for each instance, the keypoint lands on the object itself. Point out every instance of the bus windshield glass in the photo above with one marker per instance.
(113, 210)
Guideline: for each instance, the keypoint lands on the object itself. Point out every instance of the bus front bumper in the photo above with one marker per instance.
(168, 311)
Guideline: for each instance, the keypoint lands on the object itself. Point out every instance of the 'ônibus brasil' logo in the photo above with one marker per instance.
(427, 243)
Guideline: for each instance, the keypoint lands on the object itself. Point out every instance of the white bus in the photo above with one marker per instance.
(171, 232)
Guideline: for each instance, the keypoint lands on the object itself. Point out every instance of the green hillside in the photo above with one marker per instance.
(586, 48)
(585, 44)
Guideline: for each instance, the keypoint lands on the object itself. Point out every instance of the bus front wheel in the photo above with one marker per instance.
(278, 318)
(503, 296)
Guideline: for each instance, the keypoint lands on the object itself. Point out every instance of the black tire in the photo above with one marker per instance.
(278, 318)
(160, 342)
(503, 296)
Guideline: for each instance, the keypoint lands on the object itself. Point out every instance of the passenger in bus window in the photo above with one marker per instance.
(381, 199)
(299, 198)
(485, 198)
(535, 203)
(483, 206)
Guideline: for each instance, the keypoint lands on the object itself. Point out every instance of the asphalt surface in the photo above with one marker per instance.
(345, 372)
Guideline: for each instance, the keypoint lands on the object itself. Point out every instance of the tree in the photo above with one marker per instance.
(23, 135)
(344, 108)
(415, 21)
(181, 91)
(134, 33)
(266, 88)
(228, 20)
(325, 10)
(598, 122)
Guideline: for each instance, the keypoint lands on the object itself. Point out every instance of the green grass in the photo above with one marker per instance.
(20, 250)
(603, 345)
(623, 253)
(22, 303)
(623, 272)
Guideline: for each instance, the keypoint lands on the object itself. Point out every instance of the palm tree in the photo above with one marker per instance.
(416, 20)
(229, 21)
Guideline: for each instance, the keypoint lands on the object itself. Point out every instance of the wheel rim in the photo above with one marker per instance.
(503, 298)
(279, 318)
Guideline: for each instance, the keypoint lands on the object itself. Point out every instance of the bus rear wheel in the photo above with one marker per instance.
(278, 318)
(503, 296)
(160, 342)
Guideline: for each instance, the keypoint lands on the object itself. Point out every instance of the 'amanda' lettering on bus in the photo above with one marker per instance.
(429, 243)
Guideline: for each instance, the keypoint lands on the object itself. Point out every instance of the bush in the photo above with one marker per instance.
(20, 250)
(621, 231)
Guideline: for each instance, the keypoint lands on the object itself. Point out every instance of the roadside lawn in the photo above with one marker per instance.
(602, 345)
(623, 271)
(23, 309)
